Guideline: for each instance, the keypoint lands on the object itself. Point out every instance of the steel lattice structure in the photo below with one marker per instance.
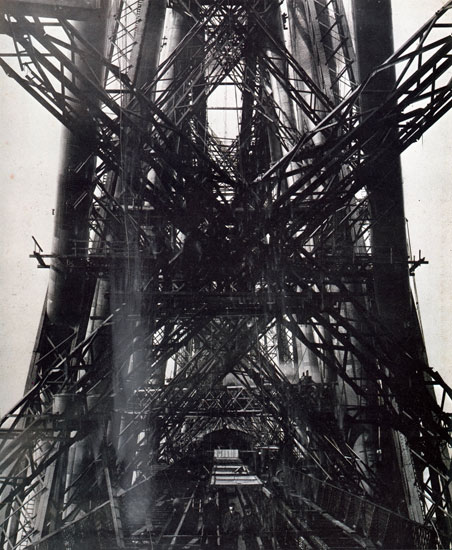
(229, 258)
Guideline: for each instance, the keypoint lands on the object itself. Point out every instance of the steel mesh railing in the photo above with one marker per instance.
(380, 525)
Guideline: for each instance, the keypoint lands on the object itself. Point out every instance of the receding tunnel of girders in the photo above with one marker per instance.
(244, 391)
(227, 438)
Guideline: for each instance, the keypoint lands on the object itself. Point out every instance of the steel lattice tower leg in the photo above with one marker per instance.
(229, 270)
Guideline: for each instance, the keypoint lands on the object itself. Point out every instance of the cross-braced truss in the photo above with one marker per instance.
(215, 267)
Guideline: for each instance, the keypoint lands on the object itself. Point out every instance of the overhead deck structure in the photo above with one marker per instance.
(229, 270)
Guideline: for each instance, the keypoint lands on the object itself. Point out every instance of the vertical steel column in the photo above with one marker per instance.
(69, 290)
(305, 45)
(75, 186)
(146, 56)
(281, 97)
(145, 59)
(176, 27)
(374, 44)
(309, 44)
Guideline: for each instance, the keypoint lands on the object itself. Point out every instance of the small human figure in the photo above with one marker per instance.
(232, 524)
(250, 530)
(177, 505)
(284, 18)
(210, 520)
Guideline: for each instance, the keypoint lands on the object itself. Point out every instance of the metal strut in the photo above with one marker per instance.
(218, 231)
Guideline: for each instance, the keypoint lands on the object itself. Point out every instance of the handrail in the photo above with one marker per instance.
(384, 527)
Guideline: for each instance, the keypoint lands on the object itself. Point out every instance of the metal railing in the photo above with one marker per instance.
(380, 525)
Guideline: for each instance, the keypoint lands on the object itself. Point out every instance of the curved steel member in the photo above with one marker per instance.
(67, 284)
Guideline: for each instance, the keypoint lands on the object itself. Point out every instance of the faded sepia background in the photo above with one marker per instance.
(29, 154)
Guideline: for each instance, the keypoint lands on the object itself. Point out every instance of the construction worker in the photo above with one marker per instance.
(250, 530)
(232, 525)
(210, 520)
